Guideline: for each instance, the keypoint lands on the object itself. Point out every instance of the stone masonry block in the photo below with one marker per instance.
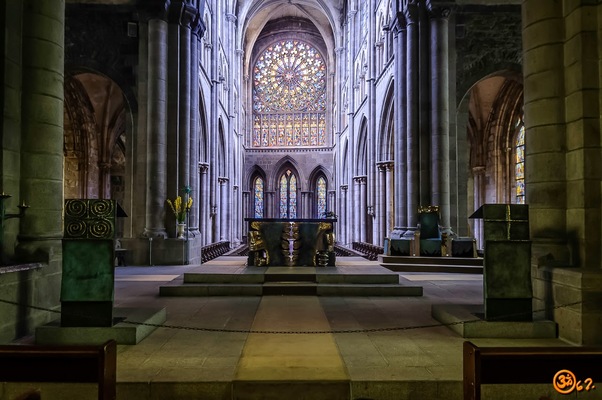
(51, 29)
(583, 103)
(51, 8)
(578, 18)
(545, 167)
(542, 85)
(45, 109)
(537, 10)
(42, 166)
(580, 75)
(543, 58)
(546, 222)
(46, 55)
(45, 138)
(545, 111)
(547, 139)
(582, 133)
(541, 33)
(48, 83)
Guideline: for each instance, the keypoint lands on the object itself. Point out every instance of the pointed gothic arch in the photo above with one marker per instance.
(288, 190)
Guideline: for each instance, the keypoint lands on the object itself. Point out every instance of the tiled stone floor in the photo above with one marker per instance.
(378, 360)
(396, 350)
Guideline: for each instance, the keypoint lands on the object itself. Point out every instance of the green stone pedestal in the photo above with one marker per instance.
(507, 286)
(88, 263)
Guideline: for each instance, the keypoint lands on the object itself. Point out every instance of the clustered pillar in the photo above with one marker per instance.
(420, 173)
(42, 124)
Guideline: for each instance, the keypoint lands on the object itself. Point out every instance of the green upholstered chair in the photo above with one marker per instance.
(430, 234)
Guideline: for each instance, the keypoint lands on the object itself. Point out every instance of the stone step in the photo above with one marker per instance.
(320, 277)
(450, 269)
(202, 277)
(430, 260)
(289, 288)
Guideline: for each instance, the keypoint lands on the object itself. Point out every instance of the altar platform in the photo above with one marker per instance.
(348, 278)
(299, 347)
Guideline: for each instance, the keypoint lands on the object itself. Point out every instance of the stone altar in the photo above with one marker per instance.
(291, 242)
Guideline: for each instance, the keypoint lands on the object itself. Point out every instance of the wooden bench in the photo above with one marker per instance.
(69, 364)
(524, 365)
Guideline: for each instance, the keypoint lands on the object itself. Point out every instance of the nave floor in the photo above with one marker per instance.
(208, 353)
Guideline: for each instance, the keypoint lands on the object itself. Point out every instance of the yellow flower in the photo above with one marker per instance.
(178, 210)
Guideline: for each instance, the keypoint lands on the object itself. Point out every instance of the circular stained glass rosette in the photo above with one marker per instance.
(290, 75)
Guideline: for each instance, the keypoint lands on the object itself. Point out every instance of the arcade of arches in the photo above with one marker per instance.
(364, 109)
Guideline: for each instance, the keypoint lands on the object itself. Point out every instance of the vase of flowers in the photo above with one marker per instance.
(180, 211)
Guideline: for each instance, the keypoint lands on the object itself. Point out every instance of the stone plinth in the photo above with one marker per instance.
(507, 287)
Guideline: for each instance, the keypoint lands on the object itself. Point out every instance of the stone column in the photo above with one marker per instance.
(246, 213)
(305, 205)
(156, 193)
(478, 176)
(205, 218)
(412, 125)
(269, 205)
(380, 226)
(363, 208)
(440, 184)
(355, 209)
(389, 197)
(344, 220)
(42, 127)
(187, 16)
(424, 111)
(195, 126)
(222, 217)
(331, 202)
(401, 131)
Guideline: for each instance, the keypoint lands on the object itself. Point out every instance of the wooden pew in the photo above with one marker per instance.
(69, 364)
(524, 365)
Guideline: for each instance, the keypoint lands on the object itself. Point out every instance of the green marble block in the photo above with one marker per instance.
(88, 255)
(507, 285)
(504, 221)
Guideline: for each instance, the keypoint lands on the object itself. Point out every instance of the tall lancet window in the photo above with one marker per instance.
(289, 96)
(321, 191)
(258, 197)
(519, 166)
(288, 195)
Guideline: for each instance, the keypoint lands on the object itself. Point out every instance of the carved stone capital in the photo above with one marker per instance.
(439, 8)
(154, 9)
(203, 167)
(182, 13)
(411, 14)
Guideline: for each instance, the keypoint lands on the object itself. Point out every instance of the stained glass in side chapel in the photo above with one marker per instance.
(519, 166)
(258, 197)
(289, 83)
(321, 195)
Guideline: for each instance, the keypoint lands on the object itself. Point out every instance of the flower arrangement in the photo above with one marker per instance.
(179, 209)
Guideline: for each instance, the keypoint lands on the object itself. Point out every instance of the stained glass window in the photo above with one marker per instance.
(258, 200)
(289, 96)
(321, 196)
(288, 195)
(519, 166)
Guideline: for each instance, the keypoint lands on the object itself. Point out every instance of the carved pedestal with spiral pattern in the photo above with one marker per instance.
(88, 263)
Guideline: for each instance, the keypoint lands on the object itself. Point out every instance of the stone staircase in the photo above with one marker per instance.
(457, 265)
(280, 281)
